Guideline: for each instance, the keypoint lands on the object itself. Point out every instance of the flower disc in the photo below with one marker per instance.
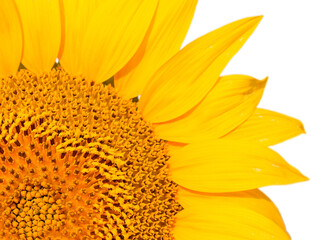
(79, 162)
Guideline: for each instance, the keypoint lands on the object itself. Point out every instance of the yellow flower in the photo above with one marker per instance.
(82, 160)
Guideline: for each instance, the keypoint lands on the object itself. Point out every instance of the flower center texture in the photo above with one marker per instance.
(79, 162)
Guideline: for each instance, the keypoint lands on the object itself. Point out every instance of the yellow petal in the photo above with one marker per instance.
(173, 146)
(165, 37)
(41, 23)
(230, 217)
(267, 127)
(254, 200)
(113, 36)
(11, 41)
(186, 78)
(233, 99)
(77, 15)
(229, 166)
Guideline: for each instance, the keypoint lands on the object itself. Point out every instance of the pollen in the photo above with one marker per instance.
(79, 162)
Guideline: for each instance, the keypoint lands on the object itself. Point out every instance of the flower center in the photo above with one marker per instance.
(32, 209)
(79, 162)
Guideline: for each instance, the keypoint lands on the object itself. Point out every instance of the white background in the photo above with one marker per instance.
(281, 49)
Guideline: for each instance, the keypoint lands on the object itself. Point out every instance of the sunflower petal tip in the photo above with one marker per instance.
(300, 178)
(258, 18)
(255, 20)
(302, 127)
(264, 81)
(304, 178)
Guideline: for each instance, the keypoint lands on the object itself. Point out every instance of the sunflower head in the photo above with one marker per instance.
(81, 160)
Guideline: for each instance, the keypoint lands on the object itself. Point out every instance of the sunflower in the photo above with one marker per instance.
(164, 149)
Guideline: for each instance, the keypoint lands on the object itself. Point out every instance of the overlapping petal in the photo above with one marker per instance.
(254, 200)
(229, 103)
(11, 38)
(182, 82)
(41, 21)
(123, 25)
(228, 166)
(267, 127)
(163, 40)
(248, 215)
